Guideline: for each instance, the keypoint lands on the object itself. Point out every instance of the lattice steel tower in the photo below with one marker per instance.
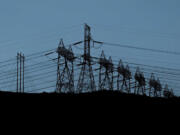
(86, 81)
(65, 69)
(140, 82)
(124, 77)
(155, 87)
(105, 73)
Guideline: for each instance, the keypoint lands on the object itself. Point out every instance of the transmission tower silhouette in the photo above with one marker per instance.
(155, 87)
(140, 82)
(86, 81)
(124, 77)
(105, 73)
(65, 69)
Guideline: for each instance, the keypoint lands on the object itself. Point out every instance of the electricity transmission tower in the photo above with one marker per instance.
(140, 82)
(65, 69)
(105, 73)
(168, 93)
(155, 87)
(124, 77)
(86, 81)
(20, 73)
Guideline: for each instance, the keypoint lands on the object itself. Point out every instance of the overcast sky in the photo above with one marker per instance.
(34, 25)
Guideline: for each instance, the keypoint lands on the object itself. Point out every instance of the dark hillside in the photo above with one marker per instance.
(103, 96)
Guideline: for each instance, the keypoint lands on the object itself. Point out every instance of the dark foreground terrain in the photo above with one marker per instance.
(98, 97)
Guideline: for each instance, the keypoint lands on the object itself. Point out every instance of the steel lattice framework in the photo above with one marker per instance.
(155, 87)
(65, 71)
(140, 82)
(168, 92)
(86, 81)
(105, 73)
(124, 77)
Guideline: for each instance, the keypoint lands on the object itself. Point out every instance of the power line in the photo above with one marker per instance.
(48, 66)
(41, 66)
(146, 58)
(141, 48)
(144, 65)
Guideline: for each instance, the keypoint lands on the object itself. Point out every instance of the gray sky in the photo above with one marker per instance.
(34, 25)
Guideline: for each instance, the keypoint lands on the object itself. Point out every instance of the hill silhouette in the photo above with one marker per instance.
(101, 96)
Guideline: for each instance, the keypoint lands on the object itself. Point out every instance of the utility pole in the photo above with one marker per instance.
(86, 81)
(20, 72)
(17, 89)
(23, 70)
